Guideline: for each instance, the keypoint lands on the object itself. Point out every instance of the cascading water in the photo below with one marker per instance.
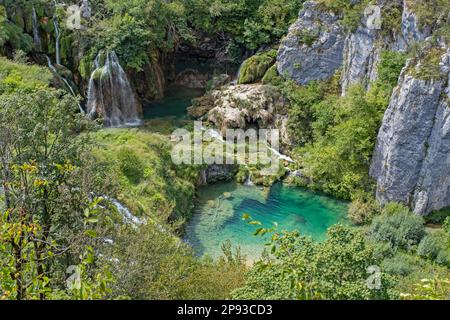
(85, 9)
(110, 94)
(64, 80)
(58, 36)
(36, 36)
(248, 181)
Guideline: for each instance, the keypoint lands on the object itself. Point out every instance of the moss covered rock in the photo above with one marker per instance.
(254, 68)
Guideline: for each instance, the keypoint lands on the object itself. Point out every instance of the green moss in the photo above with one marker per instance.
(391, 19)
(272, 76)
(254, 68)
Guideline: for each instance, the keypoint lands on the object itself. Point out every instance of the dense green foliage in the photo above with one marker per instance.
(399, 228)
(140, 163)
(338, 268)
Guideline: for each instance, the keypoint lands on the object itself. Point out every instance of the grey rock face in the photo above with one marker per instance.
(314, 46)
(410, 27)
(411, 162)
(330, 48)
(361, 55)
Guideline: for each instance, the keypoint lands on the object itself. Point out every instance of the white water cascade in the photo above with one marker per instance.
(248, 181)
(64, 80)
(36, 36)
(58, 36)
(110, 94)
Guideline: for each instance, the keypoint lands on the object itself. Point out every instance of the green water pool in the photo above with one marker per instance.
(218, 216)
(174, 104)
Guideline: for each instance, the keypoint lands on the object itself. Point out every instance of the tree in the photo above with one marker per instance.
(46, 199)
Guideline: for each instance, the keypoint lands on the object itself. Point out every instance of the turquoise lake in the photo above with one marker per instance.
(218, 216)
(174, 104)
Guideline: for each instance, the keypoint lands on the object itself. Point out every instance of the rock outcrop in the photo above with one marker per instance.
(411, 162)
(242, 107)
(314, 46)
(317, 45)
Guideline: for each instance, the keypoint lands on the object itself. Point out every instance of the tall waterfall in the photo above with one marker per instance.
(110, 94)
(36, 35)
(66, 82)
(58, 36)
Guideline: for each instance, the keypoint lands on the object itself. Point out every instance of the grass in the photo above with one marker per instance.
(149, 183)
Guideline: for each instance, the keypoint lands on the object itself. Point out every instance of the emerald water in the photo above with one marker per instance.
(174, 104)
(218, 216)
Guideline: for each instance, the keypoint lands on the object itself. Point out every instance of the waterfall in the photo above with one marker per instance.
(125, 212)
(238, 75)
(64, 80)
(280, 155)
(110, 94)
(58, 36)
(36, 35)
(248, 181)
(86, 9)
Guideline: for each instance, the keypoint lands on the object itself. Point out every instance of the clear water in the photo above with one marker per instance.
(174, 104)
(218, 216)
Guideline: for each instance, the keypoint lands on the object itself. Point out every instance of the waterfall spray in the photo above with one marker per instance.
(110, 94)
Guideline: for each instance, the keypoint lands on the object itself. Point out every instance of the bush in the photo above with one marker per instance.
(272, 77)
(398, 265)
(429, 247)
(436, 247)
(362, 211)
(446, 225)
(402, 229)
(393, 208)
(391, 65)
(438, 217)
(131, 165)
(443, 257)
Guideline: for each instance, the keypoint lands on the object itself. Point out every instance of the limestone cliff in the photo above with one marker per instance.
(411, 162)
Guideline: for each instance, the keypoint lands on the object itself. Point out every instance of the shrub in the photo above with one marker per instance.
(131, 165)
(436, 247)
(429, 247)
(393, 208)
(391, 65)
(443, 257)
(438, 217)
(402, 229)
(272, 77)
(362, 211)
(398, 265)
